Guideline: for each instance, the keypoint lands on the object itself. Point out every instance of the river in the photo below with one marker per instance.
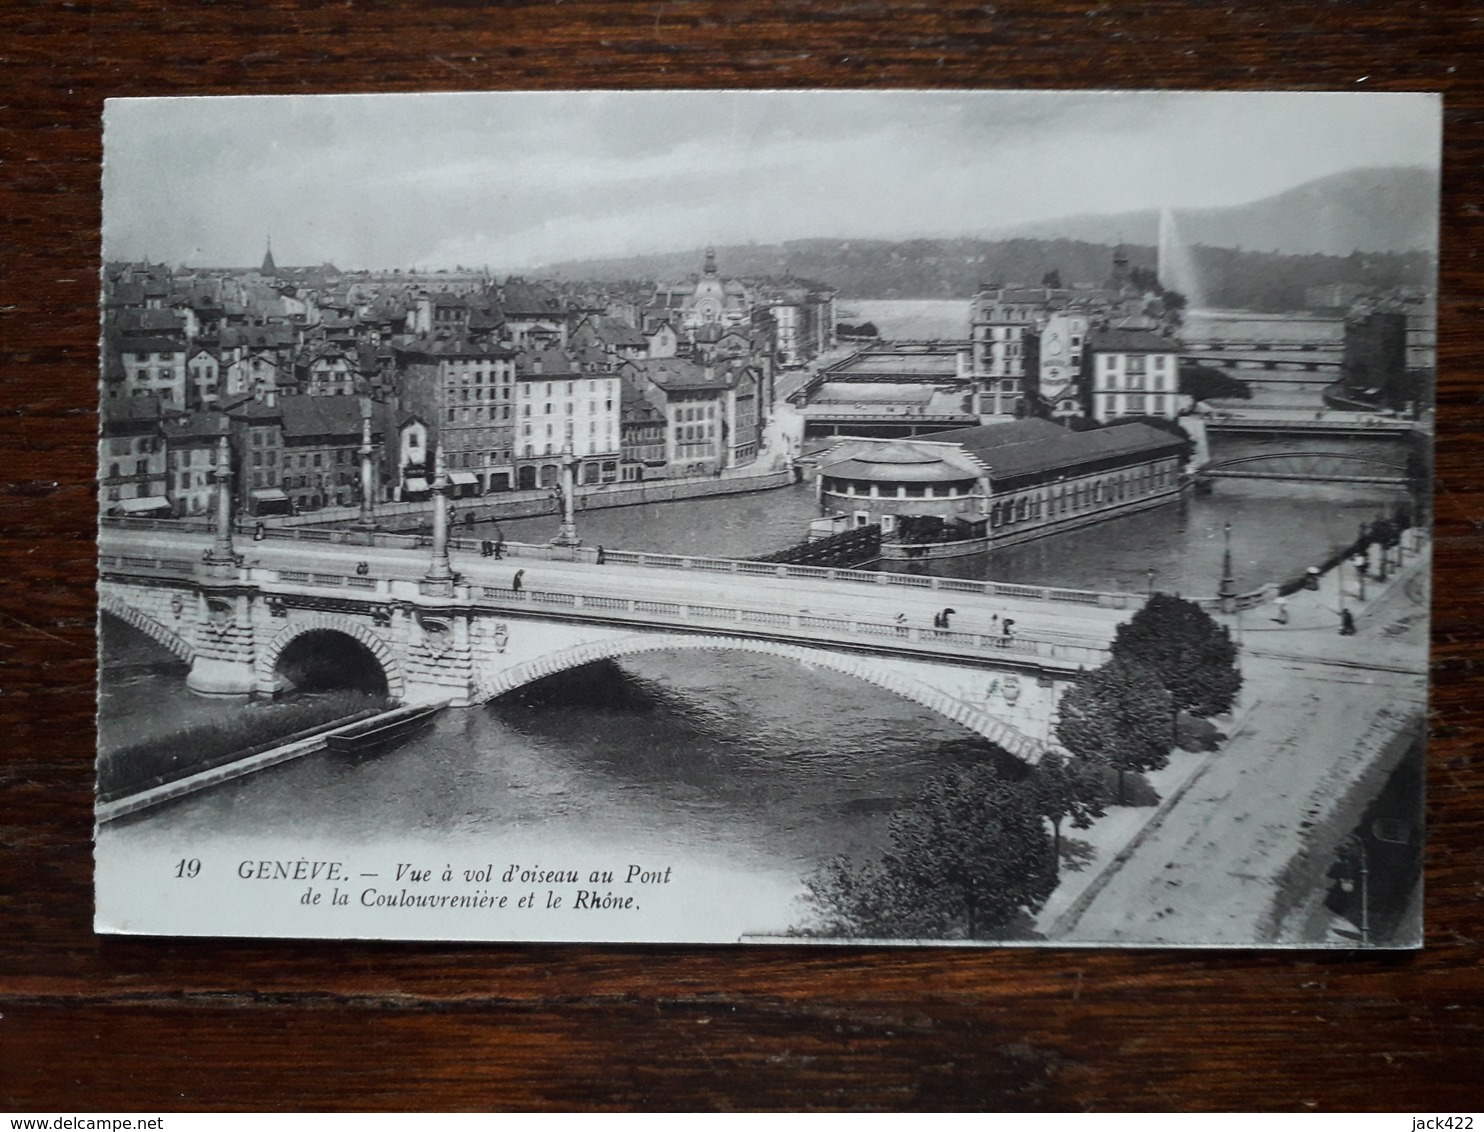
(1277, 529)
(745, 771)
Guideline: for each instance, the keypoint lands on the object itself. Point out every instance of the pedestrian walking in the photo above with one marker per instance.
(499, 548)
(1282, 612)
(1006, 625)
(1347, 623)
(943, 617)
(363, 568)
(901, 624)
(259, 532)
(602, 557)
(515, 581)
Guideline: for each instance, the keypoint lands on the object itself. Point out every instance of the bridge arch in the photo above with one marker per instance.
(115, 606)
(1318, 467)
(267, 659)
(863, 668)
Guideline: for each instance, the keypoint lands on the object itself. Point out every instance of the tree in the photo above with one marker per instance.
(1190, 654)
(1202, 383)
(1063, 789)
(964, 860)
(1116, 715)
(1052, 279)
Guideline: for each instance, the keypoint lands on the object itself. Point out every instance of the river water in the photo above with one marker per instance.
(1277, 530)
(748, 770)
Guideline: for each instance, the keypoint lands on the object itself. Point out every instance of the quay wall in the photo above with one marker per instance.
(247, 762)
(534, 503)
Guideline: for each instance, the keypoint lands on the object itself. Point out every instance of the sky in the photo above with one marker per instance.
(515, 180)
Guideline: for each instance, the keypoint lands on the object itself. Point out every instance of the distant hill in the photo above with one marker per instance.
(1382, 209)
(875, 269)
(1261, 255)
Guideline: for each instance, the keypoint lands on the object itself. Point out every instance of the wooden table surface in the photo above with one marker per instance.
(92, 1023)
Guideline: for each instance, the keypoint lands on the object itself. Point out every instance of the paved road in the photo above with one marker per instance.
(1255, 829)
(1060, 622)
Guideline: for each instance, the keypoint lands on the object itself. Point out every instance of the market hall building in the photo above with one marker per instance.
(999, 484)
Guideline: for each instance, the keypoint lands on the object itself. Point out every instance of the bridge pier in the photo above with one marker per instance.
(223, 662)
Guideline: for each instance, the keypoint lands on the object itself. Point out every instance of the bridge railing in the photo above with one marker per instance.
(710, 565)
(1066, 653)
(1111, 600)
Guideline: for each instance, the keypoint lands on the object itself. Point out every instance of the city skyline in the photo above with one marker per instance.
(520, 180)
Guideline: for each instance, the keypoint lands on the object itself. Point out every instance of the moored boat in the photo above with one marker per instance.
(380, 731)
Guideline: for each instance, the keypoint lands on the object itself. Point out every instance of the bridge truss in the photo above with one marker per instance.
(1310, 467)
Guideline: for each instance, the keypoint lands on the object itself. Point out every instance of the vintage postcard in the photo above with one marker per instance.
(773, 517)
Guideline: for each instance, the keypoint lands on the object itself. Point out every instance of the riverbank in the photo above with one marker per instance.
(541, 501)
(242, 763)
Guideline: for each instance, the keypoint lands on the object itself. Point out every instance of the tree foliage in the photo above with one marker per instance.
(968, 856)
(1118, 715)
(1206, 382)
(1064, 789)
(1191, 655)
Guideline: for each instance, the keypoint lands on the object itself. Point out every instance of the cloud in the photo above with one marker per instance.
(517, 179)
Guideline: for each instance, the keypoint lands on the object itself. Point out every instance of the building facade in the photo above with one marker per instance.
(998, 484)
(465, 393)
(192, 444)
(570, 408)
(132, 465)
(1132, 373)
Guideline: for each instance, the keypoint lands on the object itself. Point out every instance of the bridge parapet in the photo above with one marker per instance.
(1044, 651)
(705, 564)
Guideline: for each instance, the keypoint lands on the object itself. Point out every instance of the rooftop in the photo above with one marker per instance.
(320, 416)
(1030, 447)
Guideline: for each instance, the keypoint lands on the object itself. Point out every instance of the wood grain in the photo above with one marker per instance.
(90, 1023)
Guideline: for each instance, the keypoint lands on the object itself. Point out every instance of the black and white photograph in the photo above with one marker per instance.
(960, 518)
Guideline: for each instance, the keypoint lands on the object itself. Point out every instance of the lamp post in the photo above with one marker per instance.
(222, 557)
(1227, 594)
(439, 579)
(1359, 561)
(1353, 849)
(367, 521)
(567, 536)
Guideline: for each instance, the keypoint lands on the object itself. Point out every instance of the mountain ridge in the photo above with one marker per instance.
(1384, 208)
(1380, 209)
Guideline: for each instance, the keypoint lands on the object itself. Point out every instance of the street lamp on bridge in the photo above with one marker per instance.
(567, 491)
(1227, 594)
(222, 558)
(440, 578)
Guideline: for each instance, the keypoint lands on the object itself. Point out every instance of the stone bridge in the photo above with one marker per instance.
(465, 637)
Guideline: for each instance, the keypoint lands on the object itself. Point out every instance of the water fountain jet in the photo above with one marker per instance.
(1177, 270)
